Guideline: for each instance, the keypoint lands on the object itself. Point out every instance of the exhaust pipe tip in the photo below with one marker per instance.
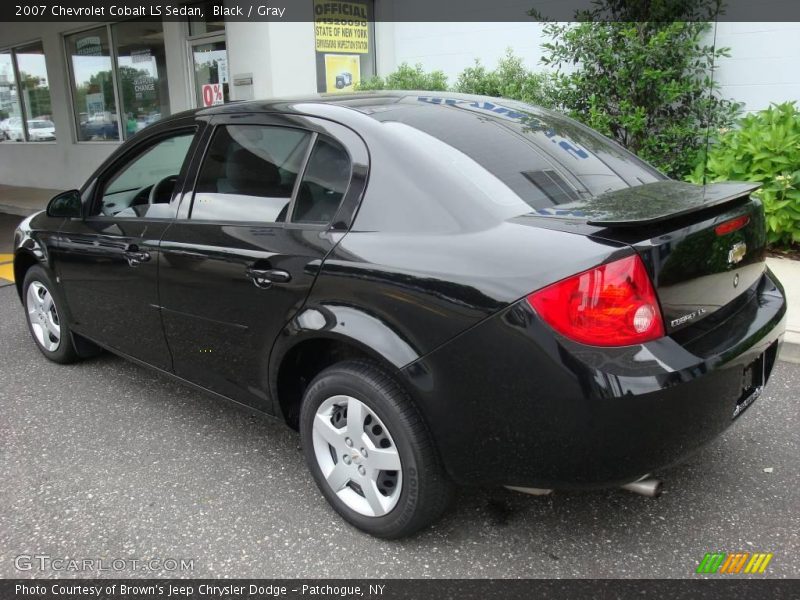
(647, 486)
(531, 491)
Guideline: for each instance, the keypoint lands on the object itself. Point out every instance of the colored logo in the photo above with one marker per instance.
(734, 562)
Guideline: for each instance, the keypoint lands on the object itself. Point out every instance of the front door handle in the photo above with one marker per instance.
(134, 256)
(264, 278)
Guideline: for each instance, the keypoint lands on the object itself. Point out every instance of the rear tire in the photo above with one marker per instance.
(44, 313)
(381, 473)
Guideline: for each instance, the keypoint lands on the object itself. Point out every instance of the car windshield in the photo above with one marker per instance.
(40, 124)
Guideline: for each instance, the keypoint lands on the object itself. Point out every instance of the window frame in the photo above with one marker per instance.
(71, 83)
(131, 154)
(114, 57)
(23, 110)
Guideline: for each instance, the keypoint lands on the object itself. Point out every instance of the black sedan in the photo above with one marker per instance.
(435, 290)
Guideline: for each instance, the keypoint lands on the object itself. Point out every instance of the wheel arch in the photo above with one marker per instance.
(24, 259)
(296, 365)
(320, 336)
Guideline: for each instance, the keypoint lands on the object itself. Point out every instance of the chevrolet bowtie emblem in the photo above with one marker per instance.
(737, 252)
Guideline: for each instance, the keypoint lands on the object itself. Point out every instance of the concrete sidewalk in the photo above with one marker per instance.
(26, 201)
(788, 272)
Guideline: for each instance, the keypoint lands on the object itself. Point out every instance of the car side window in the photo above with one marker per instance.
(324, 183)
(249, 173)
(144, 186)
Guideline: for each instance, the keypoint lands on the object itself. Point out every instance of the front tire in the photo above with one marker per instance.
(44, 312)
(369, 451)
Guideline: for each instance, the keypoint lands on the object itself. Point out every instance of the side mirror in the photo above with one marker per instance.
(66, 204)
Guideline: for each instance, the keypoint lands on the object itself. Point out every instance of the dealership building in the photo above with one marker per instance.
(71, 92)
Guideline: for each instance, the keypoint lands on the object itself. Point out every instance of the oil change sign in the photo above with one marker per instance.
(341, 26)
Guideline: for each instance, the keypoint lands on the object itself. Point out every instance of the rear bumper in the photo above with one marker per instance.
(511, 403)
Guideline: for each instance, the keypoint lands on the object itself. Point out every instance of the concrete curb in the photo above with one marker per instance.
(788, 272)
(790, 352)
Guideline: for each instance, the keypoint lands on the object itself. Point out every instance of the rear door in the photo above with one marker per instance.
(243, 255)
(107, 261)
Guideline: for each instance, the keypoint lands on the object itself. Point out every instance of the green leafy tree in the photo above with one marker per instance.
(763, 148)
(641, 72)
(407, 77)
(510, 79)
(37, 94)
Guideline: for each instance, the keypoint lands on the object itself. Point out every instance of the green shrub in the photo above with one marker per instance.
(407, 78)
(763, 148)
(645, 80)
(510, 79)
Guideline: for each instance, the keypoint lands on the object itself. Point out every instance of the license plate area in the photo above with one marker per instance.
(753, 379)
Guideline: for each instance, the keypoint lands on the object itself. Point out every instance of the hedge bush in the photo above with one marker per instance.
(510, 79)
(648, 85)
(764, 148)
(407, 77)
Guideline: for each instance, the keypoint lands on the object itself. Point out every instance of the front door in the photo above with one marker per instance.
(108, 261)
(241, 264)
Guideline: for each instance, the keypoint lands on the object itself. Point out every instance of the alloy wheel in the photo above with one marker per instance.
(43, 316)
(357, 456)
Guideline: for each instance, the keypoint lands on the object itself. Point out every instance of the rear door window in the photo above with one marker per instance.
(249, 173)
(324, 183)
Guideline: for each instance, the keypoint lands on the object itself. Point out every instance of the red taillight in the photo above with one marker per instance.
(732, 225)
(611, 305)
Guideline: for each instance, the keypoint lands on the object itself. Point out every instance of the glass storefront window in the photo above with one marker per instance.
(25, 104)
(10, 113)
(35, 89)
(93, 85)
(210, 73)
(141, 74)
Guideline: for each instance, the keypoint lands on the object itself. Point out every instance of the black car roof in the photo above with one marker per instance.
(365, 102)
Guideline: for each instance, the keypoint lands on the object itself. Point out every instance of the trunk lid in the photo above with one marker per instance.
(704, 246)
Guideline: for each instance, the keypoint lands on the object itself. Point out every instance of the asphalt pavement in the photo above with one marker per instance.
(108, 460)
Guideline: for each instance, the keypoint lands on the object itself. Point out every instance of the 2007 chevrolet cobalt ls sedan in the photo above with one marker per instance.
(434, 290)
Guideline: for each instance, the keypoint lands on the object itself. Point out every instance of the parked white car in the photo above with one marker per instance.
(9, 126)
(39, 130)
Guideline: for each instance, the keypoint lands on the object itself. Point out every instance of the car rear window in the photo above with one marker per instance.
(545, 159)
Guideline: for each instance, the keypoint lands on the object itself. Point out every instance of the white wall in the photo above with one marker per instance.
(451, 47)
(763, 64)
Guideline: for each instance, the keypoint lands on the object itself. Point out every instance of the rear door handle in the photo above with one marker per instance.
(134, 256)
(264, 278)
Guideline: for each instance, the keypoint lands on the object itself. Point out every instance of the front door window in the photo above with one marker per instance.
(144, 186)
